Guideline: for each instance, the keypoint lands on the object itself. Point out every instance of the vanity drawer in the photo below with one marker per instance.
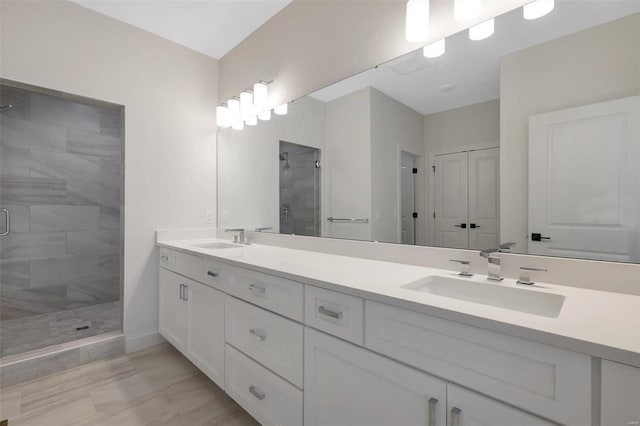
(214, 273)
(546, 380)
(188, 265)
(335, 313)
(273, 293)
(270, 339)
(267, 397)
(166, 258)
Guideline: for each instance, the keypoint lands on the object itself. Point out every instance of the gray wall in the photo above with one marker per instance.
(60, 177)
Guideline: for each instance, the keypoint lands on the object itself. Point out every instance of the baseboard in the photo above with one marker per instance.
(142, 341)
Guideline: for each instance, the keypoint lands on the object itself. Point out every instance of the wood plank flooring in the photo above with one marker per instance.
(157, 386)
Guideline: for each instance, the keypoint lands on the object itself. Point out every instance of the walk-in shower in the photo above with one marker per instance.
(61, 174)
(299, 189)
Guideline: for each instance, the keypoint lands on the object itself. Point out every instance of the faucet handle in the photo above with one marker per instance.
(525, 276)
(465, 267)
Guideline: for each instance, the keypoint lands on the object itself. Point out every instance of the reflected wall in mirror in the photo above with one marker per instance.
(531, 136)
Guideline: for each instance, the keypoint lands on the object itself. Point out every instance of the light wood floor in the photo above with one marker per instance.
(153, 387)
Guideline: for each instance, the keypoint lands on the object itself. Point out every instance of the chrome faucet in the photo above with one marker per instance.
(240, 238)
(495, 261)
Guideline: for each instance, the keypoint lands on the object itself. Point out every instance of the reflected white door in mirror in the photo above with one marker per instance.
(584, 182)
(466, 208)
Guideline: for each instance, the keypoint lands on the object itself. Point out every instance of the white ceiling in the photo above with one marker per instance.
(473, 67)
(212, 27)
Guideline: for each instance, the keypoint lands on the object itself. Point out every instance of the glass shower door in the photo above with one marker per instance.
(60, 205)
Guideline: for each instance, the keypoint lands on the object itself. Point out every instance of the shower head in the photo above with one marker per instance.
(5, 108)
(285, 157)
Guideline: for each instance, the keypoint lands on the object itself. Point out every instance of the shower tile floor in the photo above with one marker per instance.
(39, 331)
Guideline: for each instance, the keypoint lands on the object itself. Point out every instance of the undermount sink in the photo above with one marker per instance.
(500, 296)
(216, 245)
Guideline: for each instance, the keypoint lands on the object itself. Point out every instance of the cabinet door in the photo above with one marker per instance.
(620, 394)
(466, 408)
(348, 385)
(173, 309)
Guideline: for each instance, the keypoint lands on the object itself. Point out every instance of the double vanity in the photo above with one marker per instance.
(300, 337)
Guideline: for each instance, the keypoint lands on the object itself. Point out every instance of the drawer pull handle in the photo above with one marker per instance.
(257, 393)
(165, 258)
(213, 274)
(259, 334)
(257, 289)
(455, 416)
(329, 313)
(432, 412)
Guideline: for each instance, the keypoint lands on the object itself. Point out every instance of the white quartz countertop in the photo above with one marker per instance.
(598, 323)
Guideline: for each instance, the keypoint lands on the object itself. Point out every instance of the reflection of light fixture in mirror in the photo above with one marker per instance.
(466, 10)
(222, 116)
(417, 20)
(434, 50)
(246, 104)
(233, 110)
(281, 109)
(265, 115)
(252, 120)
(482, 31)
(537, 9)
(260, 96)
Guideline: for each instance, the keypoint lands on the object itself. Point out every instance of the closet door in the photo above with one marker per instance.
(451, 200)
(484, 199)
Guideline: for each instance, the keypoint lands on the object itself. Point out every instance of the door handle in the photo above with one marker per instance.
(462, 225)
(455, 416)
(535, 236)
(181, 285)
(431, 416)
(473, 226)
(186, 292)
(7, 222)
(212, 274)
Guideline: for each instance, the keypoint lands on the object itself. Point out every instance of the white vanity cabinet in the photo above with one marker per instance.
(620, 395)
(191, 317)
(349, 386)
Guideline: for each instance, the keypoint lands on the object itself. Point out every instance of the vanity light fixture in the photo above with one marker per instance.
(466, 10)
(252, 120)
(265, 115)
(260, 96)
(434, 50)
(537, 9)
(222, 116)
(482, 30)
(246, 104)
(417, 20)
(281, 109)
(238, 125)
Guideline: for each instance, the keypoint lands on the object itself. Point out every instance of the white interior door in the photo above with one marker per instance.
(484, 199)
(407, 198)
(451, 200)
(584, 182)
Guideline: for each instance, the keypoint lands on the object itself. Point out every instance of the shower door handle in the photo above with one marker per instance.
(7, 222)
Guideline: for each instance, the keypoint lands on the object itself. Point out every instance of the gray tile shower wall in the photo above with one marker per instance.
(60, 178)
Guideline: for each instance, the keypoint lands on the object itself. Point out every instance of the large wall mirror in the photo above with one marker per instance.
(531, 135)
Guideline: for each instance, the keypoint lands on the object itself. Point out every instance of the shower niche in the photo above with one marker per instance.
(299, 172)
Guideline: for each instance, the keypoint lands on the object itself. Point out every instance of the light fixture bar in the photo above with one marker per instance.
(417, 20)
